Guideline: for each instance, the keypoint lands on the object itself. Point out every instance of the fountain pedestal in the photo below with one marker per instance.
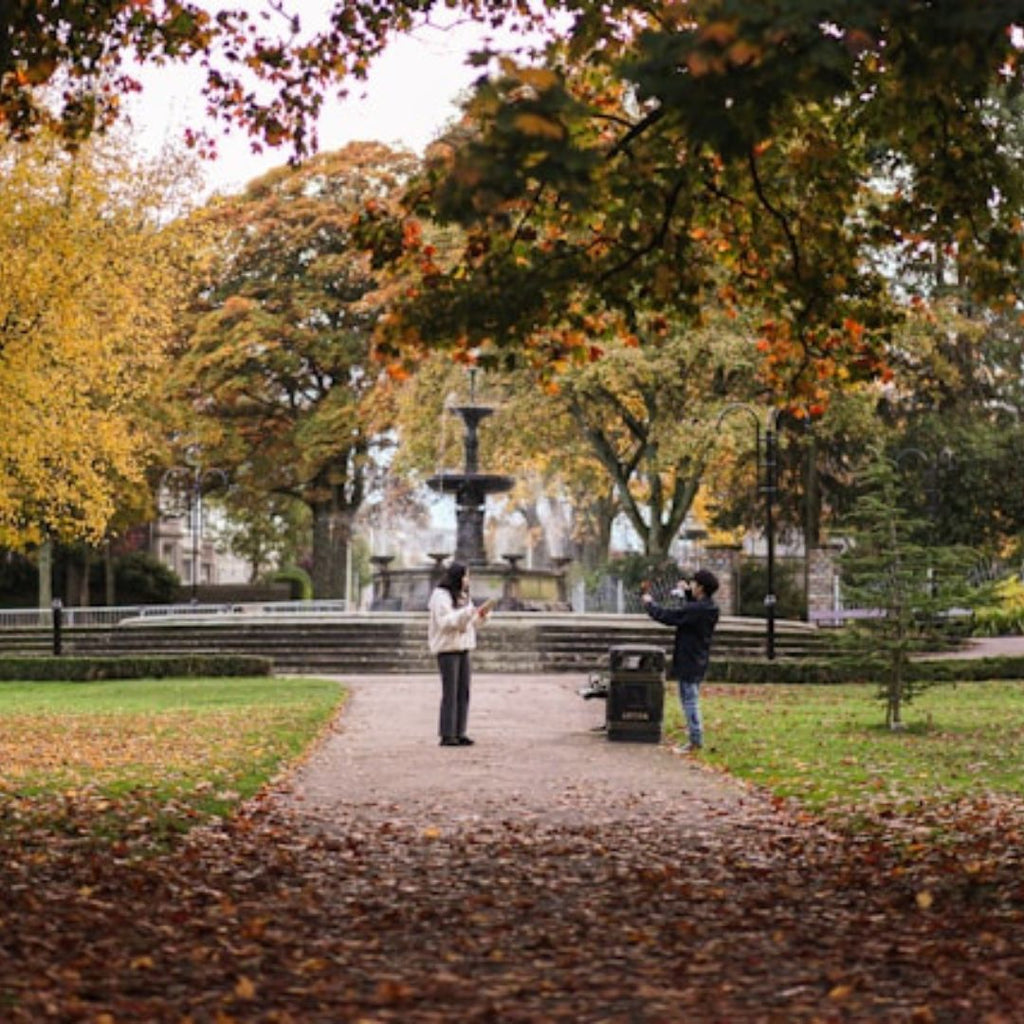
(471, 488)
(382, 598)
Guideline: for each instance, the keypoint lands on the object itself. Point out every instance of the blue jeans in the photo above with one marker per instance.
(689, 697)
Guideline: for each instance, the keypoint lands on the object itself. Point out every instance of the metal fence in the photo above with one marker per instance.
(609, 594)
(31, 618)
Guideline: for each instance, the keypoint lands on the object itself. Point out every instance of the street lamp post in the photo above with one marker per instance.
(768, 485)
(770, 490)
(192, 480)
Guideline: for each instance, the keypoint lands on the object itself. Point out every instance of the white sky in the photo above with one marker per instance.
(409, 97)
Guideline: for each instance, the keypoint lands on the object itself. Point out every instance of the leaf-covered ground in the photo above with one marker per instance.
(766, 918)
(578, 881)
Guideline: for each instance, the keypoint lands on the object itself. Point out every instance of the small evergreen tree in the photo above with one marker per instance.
(908, 588)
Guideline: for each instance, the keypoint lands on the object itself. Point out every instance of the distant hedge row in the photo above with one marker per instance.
(155, 666)
(862, 670)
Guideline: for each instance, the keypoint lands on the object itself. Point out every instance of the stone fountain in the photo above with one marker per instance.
(471, 488)
(512, 586)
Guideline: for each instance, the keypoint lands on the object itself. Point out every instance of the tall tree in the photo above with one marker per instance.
(89, 282)
(955, 411)
(268, 533)
(279, 361)
(648, 417)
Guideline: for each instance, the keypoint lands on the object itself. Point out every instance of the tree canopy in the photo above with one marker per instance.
(266, 66)
(89, 281)
(278, 362)
(653, 156)
(806, 160)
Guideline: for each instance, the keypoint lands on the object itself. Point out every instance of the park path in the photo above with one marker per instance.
(539, 755)
(987, 647)
(546, 875)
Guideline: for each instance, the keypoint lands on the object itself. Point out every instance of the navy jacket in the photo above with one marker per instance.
(695, 623)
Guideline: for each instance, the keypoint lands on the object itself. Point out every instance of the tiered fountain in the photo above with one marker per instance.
(470, 488)
(513, 587)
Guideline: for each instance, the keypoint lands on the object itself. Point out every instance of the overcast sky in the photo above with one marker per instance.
(410, 95)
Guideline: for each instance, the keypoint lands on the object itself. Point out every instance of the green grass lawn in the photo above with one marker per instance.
(827, 746)
(96, 758)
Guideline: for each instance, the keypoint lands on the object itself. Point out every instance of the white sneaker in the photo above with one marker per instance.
(688, 748)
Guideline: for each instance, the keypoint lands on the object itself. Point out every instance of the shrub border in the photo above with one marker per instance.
(154, 666)
(862, 670)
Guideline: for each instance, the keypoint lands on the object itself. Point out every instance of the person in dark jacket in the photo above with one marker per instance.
(694, 621)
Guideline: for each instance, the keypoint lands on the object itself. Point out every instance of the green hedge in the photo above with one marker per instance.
(862, 670)
(297, 578)
(157, 666)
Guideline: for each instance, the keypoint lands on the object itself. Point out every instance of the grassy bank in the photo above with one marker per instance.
(140, 761)
(827, 746)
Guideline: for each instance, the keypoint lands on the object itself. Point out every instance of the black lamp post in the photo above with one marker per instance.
(768, 485)
(191, 481)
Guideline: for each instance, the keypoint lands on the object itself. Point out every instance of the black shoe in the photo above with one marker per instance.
(450, 741)
(465, 741)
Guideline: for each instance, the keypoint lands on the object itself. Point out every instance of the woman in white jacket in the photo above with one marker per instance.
(451, 634)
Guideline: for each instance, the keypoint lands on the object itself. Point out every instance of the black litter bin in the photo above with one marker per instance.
(636, 693)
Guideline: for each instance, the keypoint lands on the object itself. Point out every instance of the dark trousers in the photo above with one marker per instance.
(455, 673)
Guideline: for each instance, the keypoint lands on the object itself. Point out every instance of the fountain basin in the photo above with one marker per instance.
(511, 588)
(481, 483)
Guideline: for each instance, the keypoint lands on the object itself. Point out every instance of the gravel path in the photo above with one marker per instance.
(538, 755)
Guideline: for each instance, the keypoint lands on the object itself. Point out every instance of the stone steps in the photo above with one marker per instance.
(396, 642)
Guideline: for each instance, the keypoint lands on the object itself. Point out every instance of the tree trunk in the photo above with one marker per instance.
(894, 701)
(812, 497)
(657, 541)
(592, 546)
(83, 583)
(75, 580)
(109, 578)
(535, 538)
(46, 573)
(332, 531)
(812, 508)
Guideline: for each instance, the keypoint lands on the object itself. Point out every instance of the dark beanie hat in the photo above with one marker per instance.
(707, 579)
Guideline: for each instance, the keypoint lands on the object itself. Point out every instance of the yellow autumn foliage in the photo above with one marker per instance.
(538, 126)
(88, 290)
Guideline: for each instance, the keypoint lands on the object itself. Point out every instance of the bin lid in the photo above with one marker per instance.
(637, 658)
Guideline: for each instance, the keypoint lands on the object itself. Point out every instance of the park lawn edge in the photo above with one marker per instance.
(139, 812)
